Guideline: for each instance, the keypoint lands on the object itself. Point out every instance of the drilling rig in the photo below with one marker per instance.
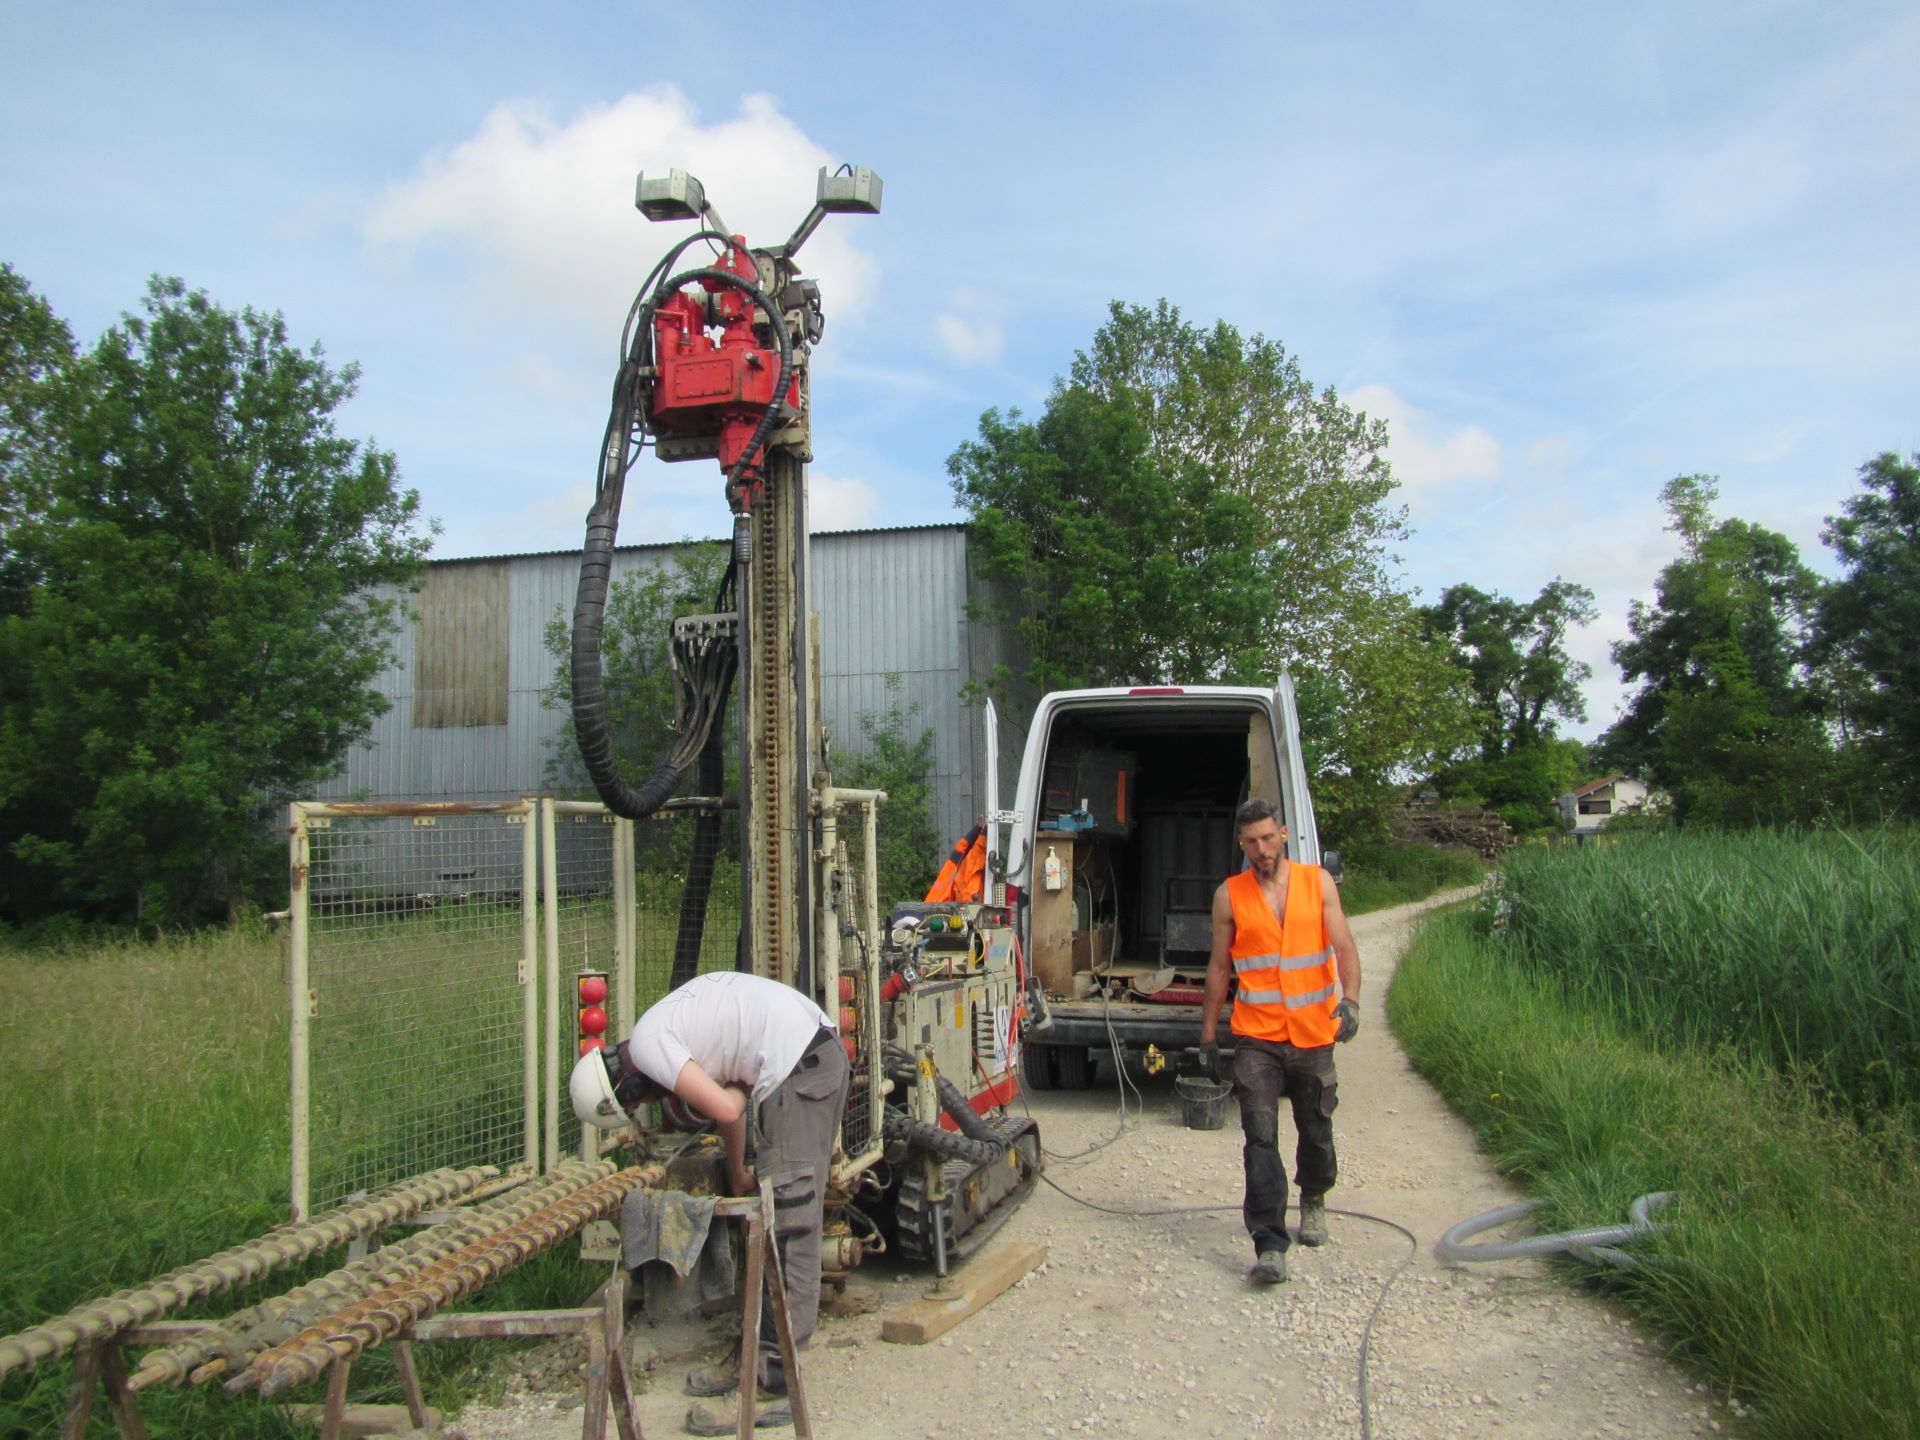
(714, 365)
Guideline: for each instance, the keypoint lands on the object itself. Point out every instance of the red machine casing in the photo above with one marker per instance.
(719, 387)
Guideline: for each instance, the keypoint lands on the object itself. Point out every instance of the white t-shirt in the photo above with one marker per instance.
(740, 1029)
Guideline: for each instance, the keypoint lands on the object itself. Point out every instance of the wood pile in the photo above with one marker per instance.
(1433, 822)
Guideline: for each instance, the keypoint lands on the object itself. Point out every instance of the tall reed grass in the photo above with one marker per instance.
(1802, 950)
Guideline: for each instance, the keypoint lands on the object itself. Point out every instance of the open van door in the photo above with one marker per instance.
(1303, 839)
(1303, 832)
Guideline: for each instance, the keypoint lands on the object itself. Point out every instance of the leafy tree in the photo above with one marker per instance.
(1725, 719)
(1869, 618)
(202, 636)
(899, 762)
(1514, 655)
(36, 347)
(1189, 509)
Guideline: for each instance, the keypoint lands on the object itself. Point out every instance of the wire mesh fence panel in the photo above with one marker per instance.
(417, 952)
(587, 930)
(687, 900)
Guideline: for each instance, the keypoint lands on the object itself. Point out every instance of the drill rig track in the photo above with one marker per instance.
(979, 1198)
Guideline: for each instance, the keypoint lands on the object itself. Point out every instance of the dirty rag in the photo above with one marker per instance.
(683, 1258)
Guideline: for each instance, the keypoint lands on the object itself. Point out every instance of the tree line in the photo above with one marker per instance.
(1189, 508)
(192, 555)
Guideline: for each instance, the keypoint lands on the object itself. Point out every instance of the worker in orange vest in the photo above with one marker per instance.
(1278, 929)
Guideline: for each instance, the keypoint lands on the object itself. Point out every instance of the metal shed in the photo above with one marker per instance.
(466, 720)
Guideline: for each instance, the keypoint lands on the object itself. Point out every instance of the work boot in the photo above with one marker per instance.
(702, 1421)
(1270, 1267)
(724, 1379)
(1313, 1220)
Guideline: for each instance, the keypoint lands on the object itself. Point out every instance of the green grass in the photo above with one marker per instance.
(1796, 1282)
(1800, 950)
(143, 1125)
(1379, 877)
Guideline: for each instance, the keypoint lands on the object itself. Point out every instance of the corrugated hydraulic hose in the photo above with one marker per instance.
(97, 1319)
(899, 1125)
(385, 1313)
(229, 1344)
(590, 722)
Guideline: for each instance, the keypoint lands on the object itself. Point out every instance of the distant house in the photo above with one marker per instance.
(1592, 806)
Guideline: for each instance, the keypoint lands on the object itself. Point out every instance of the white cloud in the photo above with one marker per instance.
(839, 502)
(537, 212)
(970, 330)
(1424, 458)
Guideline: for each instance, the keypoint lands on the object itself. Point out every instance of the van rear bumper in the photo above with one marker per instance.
(1172, 1028)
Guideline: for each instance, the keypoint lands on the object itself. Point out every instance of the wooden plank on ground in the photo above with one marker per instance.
(967, 1291)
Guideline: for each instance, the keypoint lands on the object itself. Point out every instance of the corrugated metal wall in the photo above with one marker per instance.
(889, 601)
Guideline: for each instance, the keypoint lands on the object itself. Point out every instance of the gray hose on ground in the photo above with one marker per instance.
(899, 1125)
(1595, 1243)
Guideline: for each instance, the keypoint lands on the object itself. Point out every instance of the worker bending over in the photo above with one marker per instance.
(717, 1042)
(1279, 930)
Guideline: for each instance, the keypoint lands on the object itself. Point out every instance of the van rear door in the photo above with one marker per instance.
(1303, 832)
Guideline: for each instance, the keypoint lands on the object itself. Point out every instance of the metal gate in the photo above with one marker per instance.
(435, 949)
(413, 1007)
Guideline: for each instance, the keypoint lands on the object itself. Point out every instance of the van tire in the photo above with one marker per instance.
(1040, 1064)
(1075, 1066)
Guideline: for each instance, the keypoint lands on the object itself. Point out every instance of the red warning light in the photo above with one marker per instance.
(590, 1015)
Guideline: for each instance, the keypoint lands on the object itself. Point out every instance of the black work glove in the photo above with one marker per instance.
(1210, 1061)
(1349, 1013)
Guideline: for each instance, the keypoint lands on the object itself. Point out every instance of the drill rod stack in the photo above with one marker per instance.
(285, 1245)
(229, 1344)
(386, 1313)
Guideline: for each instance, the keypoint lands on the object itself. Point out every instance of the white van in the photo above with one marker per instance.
(1121, 831)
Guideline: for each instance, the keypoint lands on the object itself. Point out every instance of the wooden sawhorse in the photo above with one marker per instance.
(764, 1272)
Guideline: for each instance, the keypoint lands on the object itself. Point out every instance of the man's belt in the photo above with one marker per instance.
(810, 1056)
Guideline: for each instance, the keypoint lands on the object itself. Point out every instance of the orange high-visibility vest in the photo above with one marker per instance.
(963, 877)
(1287, 991)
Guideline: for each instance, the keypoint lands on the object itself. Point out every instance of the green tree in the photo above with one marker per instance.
(1868, 620)
(1189, 509)
(203, 632)
(1514, 656)
(1725, 719)
(900, 761)
(36, 347)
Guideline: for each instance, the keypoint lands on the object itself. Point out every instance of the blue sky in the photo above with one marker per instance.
(1567, 252)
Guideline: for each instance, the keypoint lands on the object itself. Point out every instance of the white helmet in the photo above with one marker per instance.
(591, 1088)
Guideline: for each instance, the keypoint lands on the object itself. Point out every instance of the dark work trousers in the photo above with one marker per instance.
(798, 1124)
(1263, 1071)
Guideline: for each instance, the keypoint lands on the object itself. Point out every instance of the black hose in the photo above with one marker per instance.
(922, 1135)
(590, 723)
(972, 1124)
(700, 867)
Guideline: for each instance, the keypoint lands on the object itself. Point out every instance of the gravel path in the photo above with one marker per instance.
(1149, 1327)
